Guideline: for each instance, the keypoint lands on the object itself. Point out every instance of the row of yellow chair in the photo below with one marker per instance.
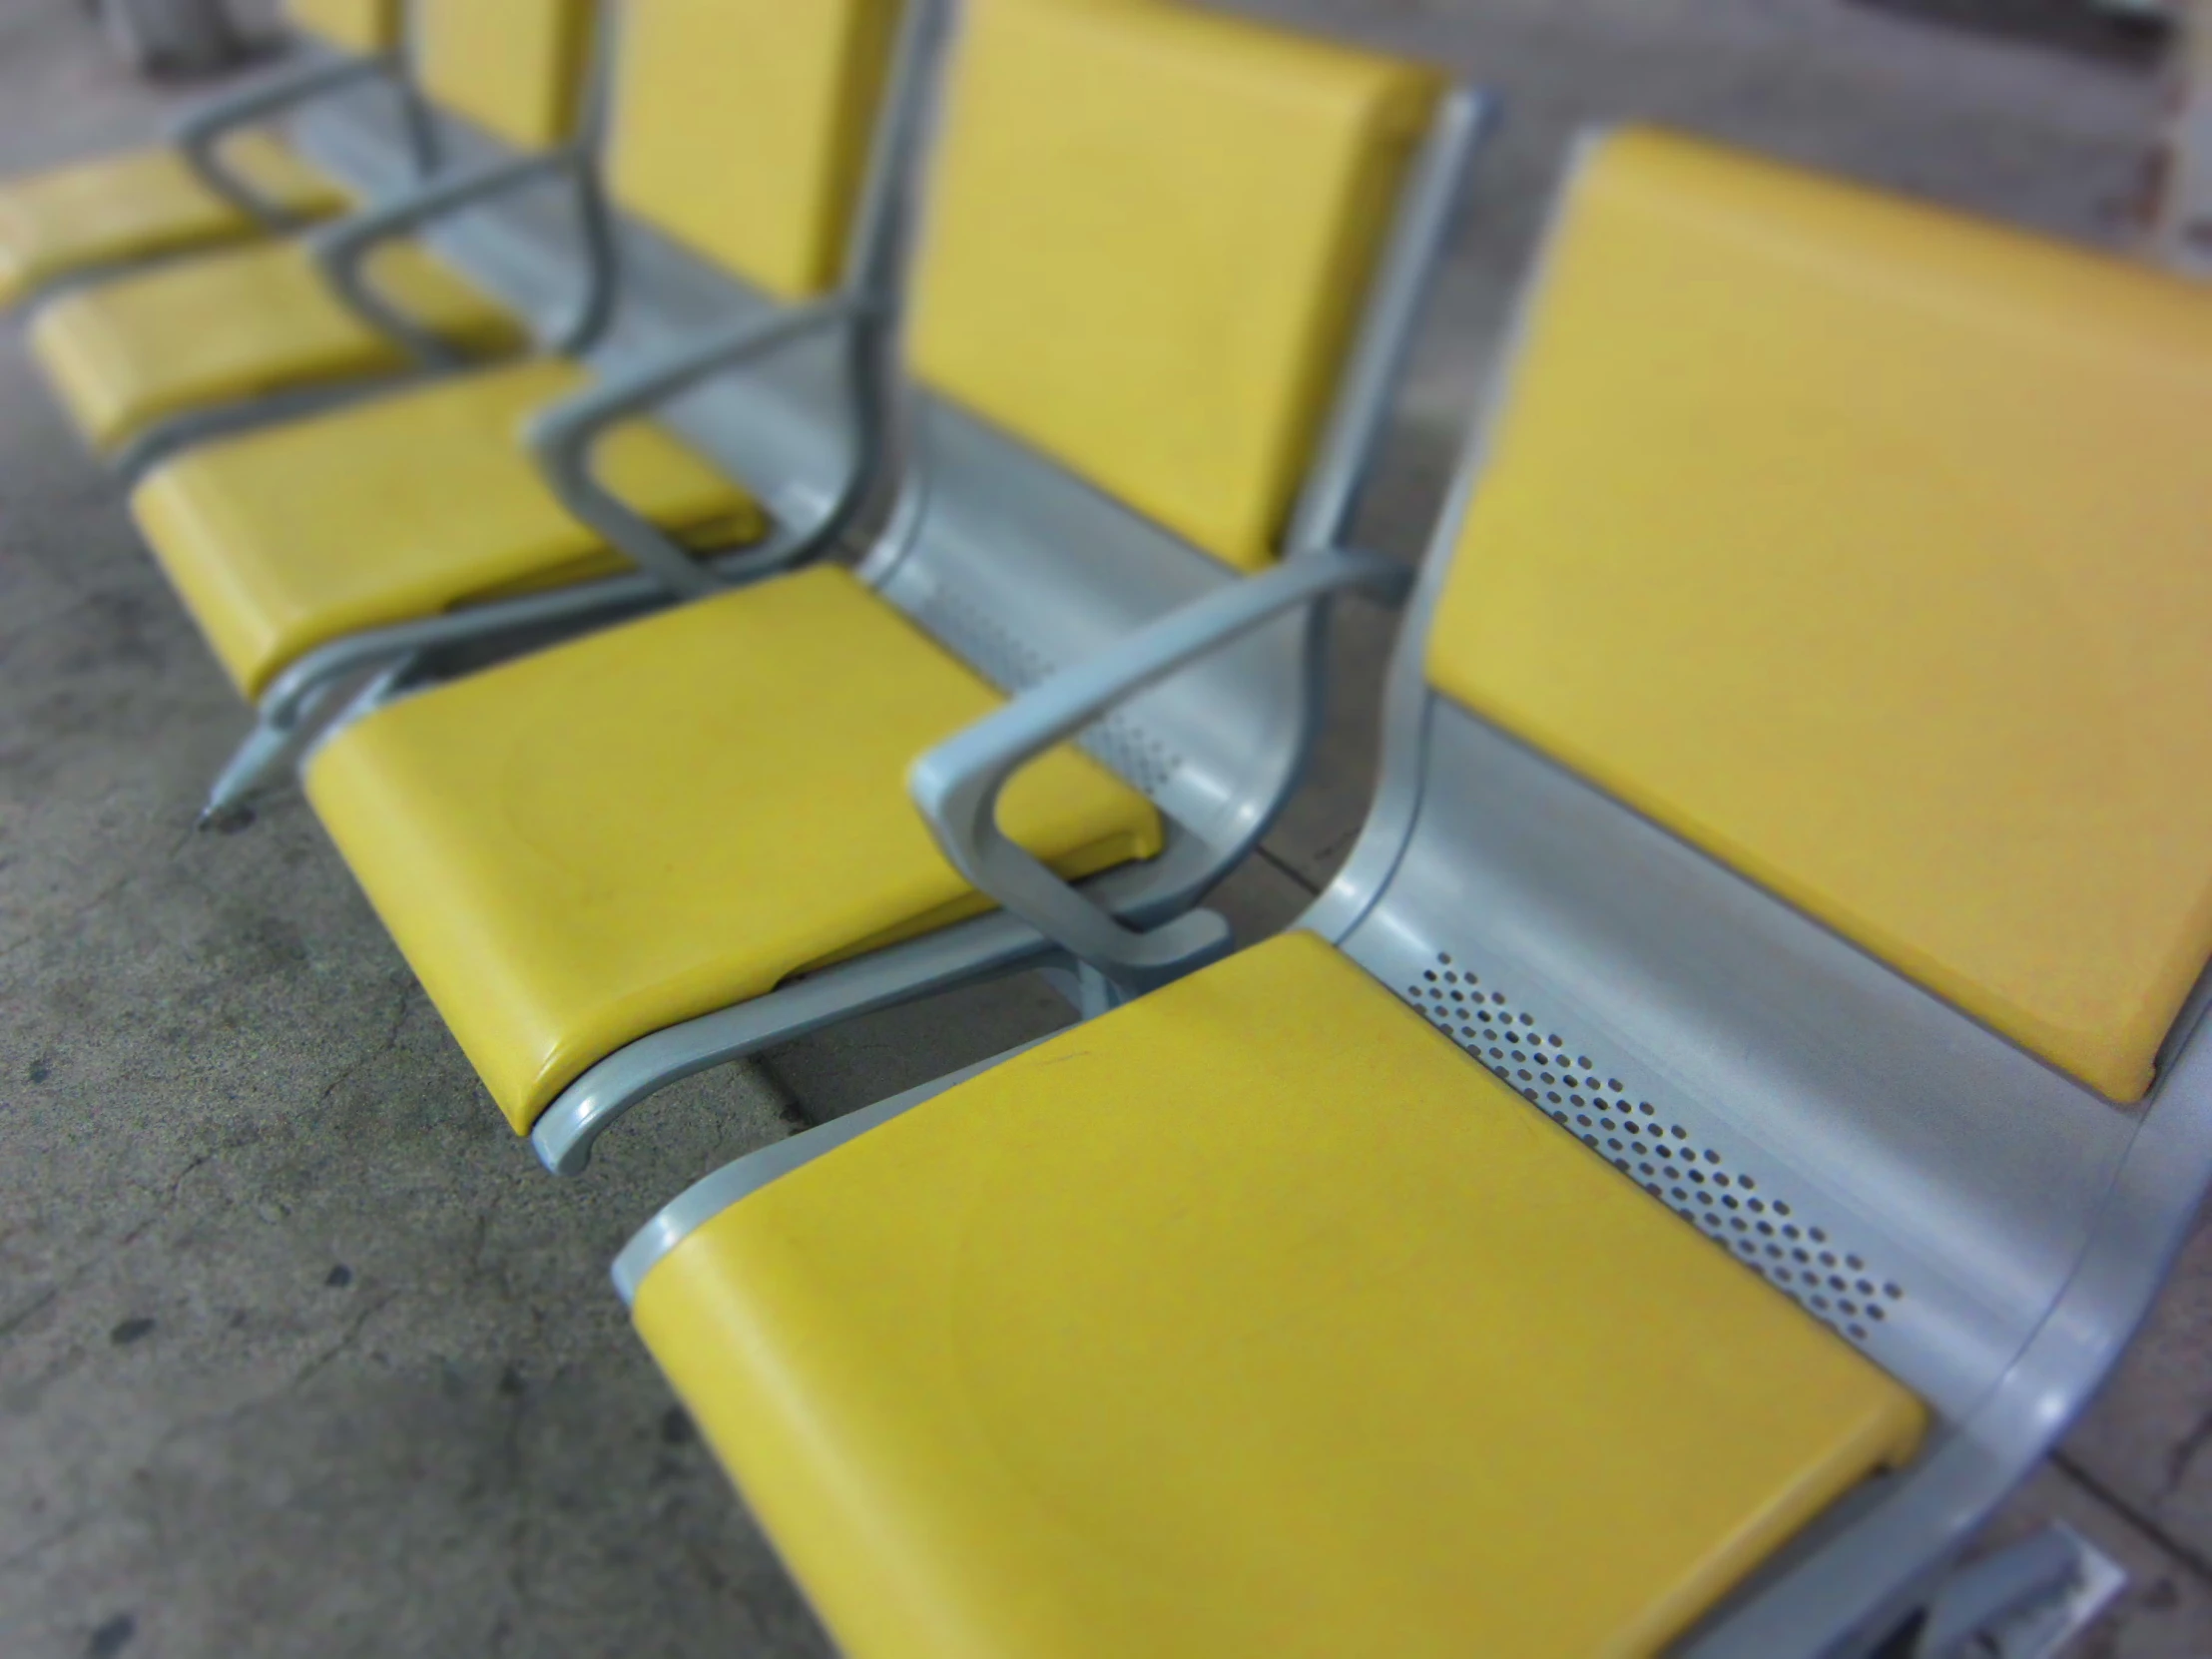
(1745, 1085)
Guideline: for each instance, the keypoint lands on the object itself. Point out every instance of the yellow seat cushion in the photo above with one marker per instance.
(765, 184)
(1172, 328)
(515, 68)
(672, 816)
(401, 508)
(242, 324)
(141, 205)
(1253, 1318)
(1871, 547)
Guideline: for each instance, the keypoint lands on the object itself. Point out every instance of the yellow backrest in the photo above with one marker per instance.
(1871, 550)
(743, 128)
(1150, 231)
(355, 25)
(513, 66)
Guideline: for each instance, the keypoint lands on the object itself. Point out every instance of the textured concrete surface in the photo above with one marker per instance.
(300, 1354)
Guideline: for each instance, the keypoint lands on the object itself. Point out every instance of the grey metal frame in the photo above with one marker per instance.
(814, 438)
(199, 134)
(451, 168)
(1984, 1228)
(1016, 565)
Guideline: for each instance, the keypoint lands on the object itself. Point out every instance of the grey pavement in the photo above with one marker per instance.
(301, 1354)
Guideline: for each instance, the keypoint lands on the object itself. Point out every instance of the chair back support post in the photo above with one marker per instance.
(595, 226)
(880, 247)
(873, 272)
(1375, 372)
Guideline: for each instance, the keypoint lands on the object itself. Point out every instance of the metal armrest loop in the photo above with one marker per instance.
(199, 134)
(563, 439)
(957, 783)
(343, 249)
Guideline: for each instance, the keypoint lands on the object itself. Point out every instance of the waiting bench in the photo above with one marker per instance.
(1728, 1114)
(632, 855)
(314, 549)
(149, 360)
(224, 176)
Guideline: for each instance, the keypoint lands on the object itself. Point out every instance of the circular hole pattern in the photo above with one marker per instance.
(1694, 1181)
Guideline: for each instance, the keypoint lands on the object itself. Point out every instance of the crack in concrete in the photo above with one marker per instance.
(78, 914)
(2179, 1459)
(29, 1311)
(389, 1041)
(39, 1546)
(353, 1334)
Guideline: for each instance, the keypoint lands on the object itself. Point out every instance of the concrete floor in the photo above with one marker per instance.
(300, 1352)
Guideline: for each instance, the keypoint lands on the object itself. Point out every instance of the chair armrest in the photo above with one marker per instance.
(199, 134)
(957, 783)
(343, 249)
(563, 439)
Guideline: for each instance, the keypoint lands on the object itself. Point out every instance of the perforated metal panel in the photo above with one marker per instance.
(1721, 1190)
(1634, 974)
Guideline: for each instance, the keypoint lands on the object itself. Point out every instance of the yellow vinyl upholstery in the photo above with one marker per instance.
(742, 128)
(515, 68)
(353, 25)
(1171, 327)
(141, 205)
(286, 538)
(672, 816)
(1252, 1317)
(240, 323)
(1868, 548)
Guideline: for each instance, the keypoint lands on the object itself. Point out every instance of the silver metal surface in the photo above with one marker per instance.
(2018, 1601)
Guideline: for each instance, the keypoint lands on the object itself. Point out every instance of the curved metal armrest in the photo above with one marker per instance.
(957, 783)
(562, 438)
(343, 249)
(200, 132)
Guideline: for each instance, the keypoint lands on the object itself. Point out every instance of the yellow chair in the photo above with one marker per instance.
(1786, 797)
(224, 178)
(289, 544)
(630, 857)
(149, 360)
